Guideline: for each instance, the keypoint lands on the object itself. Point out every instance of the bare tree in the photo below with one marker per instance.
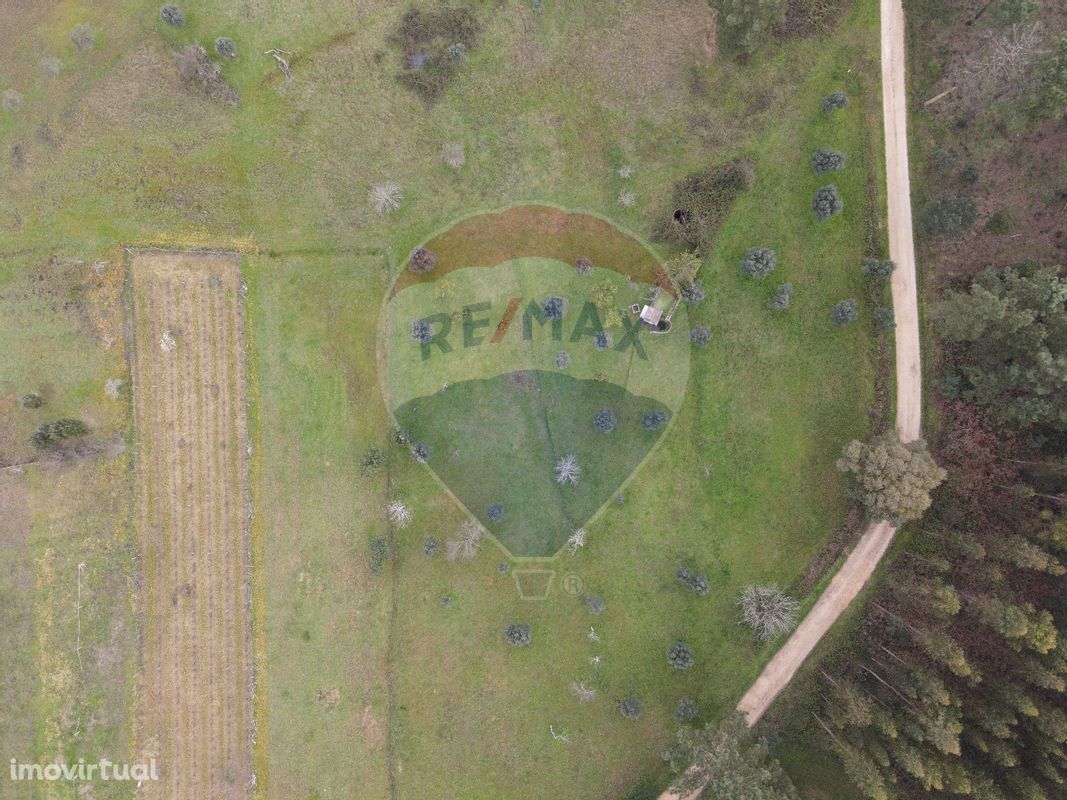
(562, 736)
(468, 544)
(385, 196)
(576, 541)
(584, 693)
(998, 68)
(568, 470)
(399, 514)
(768, 610)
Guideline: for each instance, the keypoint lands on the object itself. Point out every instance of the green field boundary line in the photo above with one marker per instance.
(872, 546)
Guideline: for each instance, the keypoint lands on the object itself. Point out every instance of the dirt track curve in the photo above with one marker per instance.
(861, 563)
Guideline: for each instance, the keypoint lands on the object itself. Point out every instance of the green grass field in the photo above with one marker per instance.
(367, 683)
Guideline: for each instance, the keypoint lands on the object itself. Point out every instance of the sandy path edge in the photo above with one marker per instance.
(862, 561)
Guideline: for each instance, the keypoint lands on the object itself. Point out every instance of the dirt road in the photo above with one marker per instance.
(189, 412)
(863, 560)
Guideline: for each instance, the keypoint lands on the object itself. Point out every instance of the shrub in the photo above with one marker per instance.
(696, 582)
(892, 479)
(681, 656)
(654, 419)
(32, 400)
(83, 37)
(692, 292)
(744, 25)
(420, 451)
(878, 267)
(604, 420)
(768, 610)
(701, 201)
(1013, 12)
(563, 359)
(834, 101)
(432, 44)
(884, 319)
(454, 154)
(377, 552)
(827, 202)
(422, 260)
(11, 100)
(700, 335)
(172, 15)
(583, 266)
(42, 437)
(198, 69)
(686, 710)
(943, 159)
(69, 428)
(371, 462)
(1000, 223)
(518, 635)
(603, 340)
(495, 512)
(948, 216)
(385, 197)
(421, 331)
(1048, 94)
(401, 436)
(827, 160)
(50, 66)
(226, 47)
(759, 262)
(630, 707)
(430, 546)
(845, 312)
(594, 604)
(970, 174)
(683, 268)
(783, 296)
(553, 308)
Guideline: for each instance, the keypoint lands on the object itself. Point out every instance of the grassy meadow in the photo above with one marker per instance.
(369, 682)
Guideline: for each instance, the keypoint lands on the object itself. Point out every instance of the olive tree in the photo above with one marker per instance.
(759, 262)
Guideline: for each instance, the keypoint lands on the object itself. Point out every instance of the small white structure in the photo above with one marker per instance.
(651, 315)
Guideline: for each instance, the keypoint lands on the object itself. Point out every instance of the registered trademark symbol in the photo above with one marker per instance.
(573, 584)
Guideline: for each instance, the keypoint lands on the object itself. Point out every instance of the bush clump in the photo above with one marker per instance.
(759, 262)
(696, 582)
(172, 15)
(687, 710)
(834, 101)
(430, 546)
(433, 43)
(372, 461)
(701, 202)
(630, 707)
(681, 656)
(783, 296)
(11, 100)
(553, 308)
(226, 47)
(49, 434)
(421, 331)
(83, 37)
(495, 512)
(654, 419)
(518, 635)
(744, 25)
(692, 292)
(420, 451)
(32, 400)
(878, 267)
(827, 160)
(594, 604)
(199, 70)
(604, 420)
(422, 260)
(583, 266)
(563, 359)
(1000, 223)
(700, 335)
(948, 216)
(603, 340)
(827, 202)
(845, 312)
(884, 319)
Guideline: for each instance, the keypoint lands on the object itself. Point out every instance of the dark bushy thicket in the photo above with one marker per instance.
(686, 710)
(603, 340)
(948, 216)
(433, 43)
(495, 512)
(884, 319)
(421, 331)
(553, 308)
(692, 292)
(429, 547)
(827, 160)
(700, 336)
(518, 635)
(696, 582)
(878, 267)
(226, 47)
(422, 260)
(630, 707)
(172, 15)
(32, 400)
(827, 202)
(681, 656)
(49, 434)
(701, 202)
(783, 296)
(834, 101)
(759, 262)
(604, 420)
(845, 312)
(654, 419)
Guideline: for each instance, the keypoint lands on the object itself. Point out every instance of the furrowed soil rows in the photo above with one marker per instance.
(189, 411)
